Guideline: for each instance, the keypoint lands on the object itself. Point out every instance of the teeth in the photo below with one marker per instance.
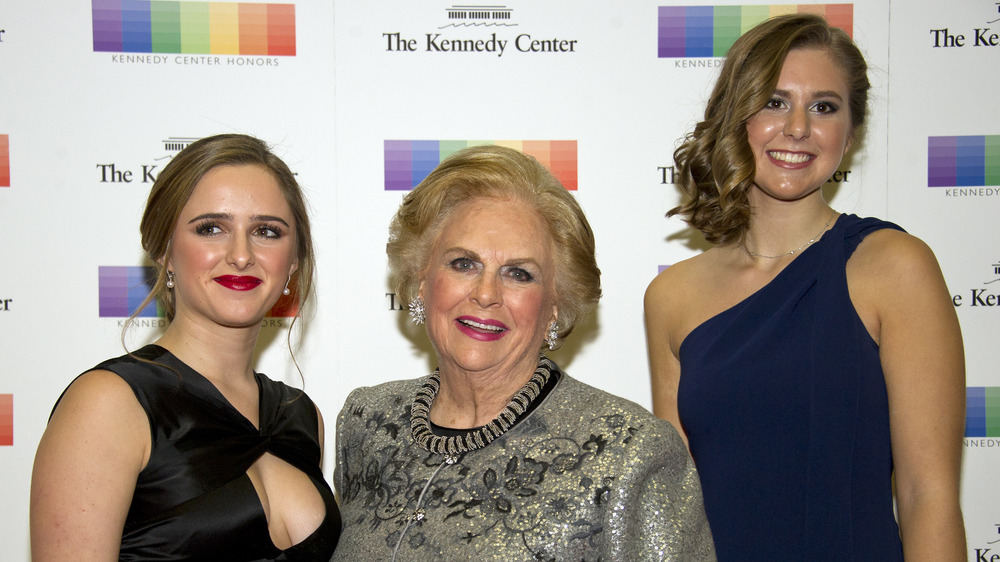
(790, 157)
(479, 326)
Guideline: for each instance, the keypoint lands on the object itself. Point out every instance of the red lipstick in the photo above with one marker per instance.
(480, 329)
(238, 282)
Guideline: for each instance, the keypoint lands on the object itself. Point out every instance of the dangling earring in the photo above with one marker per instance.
(286, 291)
(418, 314)
(170, 279)
(552, 336)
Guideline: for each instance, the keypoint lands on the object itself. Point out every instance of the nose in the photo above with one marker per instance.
(797, 124)
(487, 291)
(240, 252)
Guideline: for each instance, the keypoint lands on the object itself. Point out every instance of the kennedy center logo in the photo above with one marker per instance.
(709, 31)
(217, 28)
(121, 289)
(982, 411)
(965, 161)
(407, 162)
(485, 29)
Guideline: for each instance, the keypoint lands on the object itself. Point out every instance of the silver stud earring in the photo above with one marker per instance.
(552, 336)
(286, 291)
(170, 279)
(418, 314)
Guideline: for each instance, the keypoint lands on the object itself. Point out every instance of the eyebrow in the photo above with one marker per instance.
(473, 255)
(228, 216)
(819, 94)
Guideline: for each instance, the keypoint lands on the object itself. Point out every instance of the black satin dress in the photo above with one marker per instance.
(194, 500)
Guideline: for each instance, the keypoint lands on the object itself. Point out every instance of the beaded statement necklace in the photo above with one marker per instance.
(796, 250)
(478, 438)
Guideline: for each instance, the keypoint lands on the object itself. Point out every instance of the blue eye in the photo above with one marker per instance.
(520, 274)
(463, 264)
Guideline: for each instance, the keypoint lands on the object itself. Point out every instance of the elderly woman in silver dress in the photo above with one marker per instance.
(498, 455)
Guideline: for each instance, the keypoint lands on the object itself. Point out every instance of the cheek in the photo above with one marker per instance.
(758, 133)
(531, 307)
(186, 255)
(443, 292)
(279, 256)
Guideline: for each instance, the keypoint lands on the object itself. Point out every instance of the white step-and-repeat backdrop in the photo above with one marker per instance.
(362, 98)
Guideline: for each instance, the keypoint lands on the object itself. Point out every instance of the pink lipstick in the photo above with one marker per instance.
(479, 329)
(238, 282)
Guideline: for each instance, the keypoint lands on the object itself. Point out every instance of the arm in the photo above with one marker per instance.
(94, 447)
(659, 513)
(920, 347)
(664, 366)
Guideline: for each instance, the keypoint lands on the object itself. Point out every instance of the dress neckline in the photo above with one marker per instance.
(821, 241)
(213, 392)
(205, 385)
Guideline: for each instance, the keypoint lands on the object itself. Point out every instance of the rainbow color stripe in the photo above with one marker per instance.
(709, 31)
(217, 28)
(982, 411)
(123, 288)
(6, 419)
(407, 162)
(4, 161)
(963, 161)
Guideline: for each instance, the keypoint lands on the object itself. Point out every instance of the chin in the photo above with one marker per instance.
(242, 319)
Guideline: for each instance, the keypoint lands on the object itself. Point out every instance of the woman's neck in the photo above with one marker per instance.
(222, 355)
(468, 400)
(783, 230)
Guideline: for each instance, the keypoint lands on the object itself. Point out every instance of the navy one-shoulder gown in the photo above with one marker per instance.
(784, 404)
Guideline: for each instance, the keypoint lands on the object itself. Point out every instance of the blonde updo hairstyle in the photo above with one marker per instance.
(714, 163)
(506, 174)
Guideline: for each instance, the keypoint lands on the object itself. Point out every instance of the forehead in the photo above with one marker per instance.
(812, 68)
(237, 188)
(488, 225)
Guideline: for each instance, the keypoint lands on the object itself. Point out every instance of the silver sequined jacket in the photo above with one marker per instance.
(586, 476)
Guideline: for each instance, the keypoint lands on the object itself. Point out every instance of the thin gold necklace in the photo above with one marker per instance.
(796, 250)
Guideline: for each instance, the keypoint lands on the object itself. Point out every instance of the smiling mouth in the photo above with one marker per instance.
(790, 157)
(488, 328)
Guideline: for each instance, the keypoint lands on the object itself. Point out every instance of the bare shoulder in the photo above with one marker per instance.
(894, 278)
(888, 259)
(101, 393)
(677, 282)
(674, 302)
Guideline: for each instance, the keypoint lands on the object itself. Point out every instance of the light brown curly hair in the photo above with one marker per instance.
(714, 163)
